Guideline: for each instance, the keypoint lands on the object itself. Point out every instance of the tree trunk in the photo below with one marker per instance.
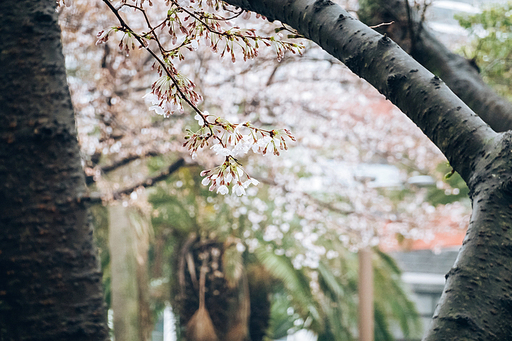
(142, 225)
(459, 73)
(50, 281)
(476, 303)
(123, 267)
(365, 286)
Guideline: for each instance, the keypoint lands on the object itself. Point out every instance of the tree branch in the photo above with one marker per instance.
(424, 98)
(152, 180)
(148, 182)
(131, 157)
(121, 162)
(459, 73)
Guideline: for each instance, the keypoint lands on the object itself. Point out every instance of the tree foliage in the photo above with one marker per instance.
(492, 44)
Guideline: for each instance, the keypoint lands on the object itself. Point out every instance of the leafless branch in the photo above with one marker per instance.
(148, 182)
(382, 24)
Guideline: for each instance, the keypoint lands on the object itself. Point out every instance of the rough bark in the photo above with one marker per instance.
(459, 73)
(50, 281)
(476, 303)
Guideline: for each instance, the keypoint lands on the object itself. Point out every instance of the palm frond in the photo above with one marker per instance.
(393, 298)
(381, 331)
(295, 282)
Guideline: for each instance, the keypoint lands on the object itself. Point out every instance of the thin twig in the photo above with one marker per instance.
(410, 26)
(151, 181)
(382, 24)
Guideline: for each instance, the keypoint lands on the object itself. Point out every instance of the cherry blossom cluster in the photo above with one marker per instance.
(235, 140)
(230, 172)
(230, 141)
(189, 18)
(168, 91)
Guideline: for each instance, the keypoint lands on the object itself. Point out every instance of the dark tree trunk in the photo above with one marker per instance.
(459, 73)
(477, 301)
(259, 290)
(50, 281)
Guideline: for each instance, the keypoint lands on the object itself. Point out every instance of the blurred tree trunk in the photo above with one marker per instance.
(365, 288)
(259, 290)
(123, 267)
(227, 304)
(143, 228)
(128, 244)
(50, 281)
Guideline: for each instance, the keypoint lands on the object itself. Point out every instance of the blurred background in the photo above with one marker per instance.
(281, 262)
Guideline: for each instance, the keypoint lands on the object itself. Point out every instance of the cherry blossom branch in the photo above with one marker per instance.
(171, 88)
(200, 18)
(151, 29)
(216, 18)
(126, 28)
